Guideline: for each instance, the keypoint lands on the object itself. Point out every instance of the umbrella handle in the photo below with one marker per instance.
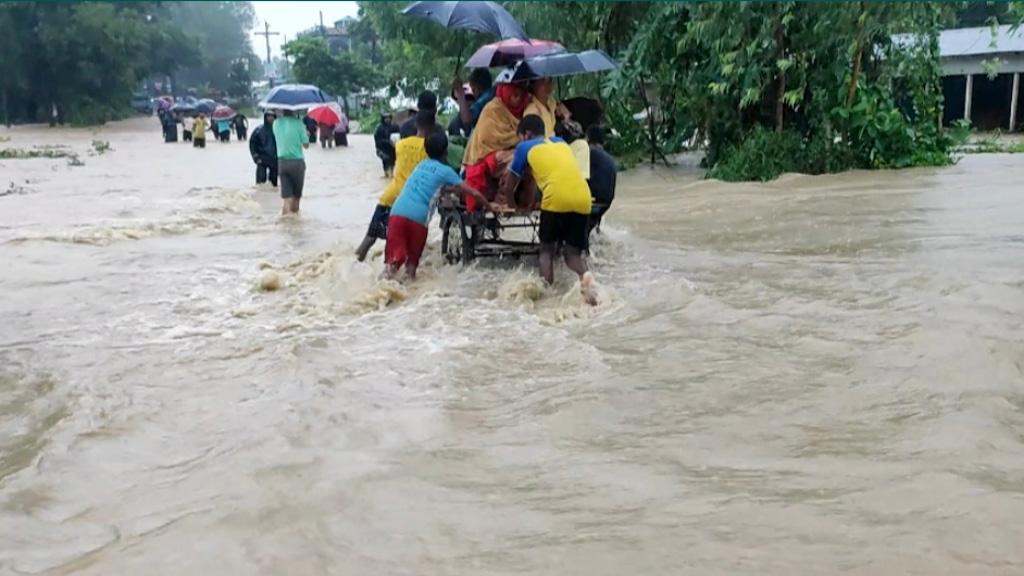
(462, 48)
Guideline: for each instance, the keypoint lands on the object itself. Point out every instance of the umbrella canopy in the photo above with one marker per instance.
(294, 97)
(329, 114)
(183, 107)
(223, 113)
(508, 52)
(566, 64)
(206, 106)
(486, 17)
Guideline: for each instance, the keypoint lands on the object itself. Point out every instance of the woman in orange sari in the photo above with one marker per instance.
(490, 147)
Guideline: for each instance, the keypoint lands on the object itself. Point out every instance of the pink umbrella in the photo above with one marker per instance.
(508, 52)
(223, 113)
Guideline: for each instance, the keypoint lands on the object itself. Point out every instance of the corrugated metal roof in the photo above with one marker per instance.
(980, 41)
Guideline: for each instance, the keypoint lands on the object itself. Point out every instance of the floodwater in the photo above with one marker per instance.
(819, 375)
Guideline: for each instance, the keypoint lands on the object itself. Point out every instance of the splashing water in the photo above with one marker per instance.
(818, 375)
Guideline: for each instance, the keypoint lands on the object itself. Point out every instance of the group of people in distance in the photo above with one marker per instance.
(524, 151)
(194, 127)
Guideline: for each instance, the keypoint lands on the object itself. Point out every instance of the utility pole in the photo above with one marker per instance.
(266, 35)
(323, 31)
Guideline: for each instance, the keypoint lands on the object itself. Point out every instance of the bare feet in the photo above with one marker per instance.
(587, 289)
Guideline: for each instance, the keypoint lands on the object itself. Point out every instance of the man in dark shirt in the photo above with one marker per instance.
(470, 107)
(602, 175)
(382, 142)
(311, 127)
(263, 148)
(426, 101)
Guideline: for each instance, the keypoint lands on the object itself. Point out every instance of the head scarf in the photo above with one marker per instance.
(507, 93)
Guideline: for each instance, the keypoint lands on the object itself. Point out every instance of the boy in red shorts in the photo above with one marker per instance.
(407, 225)
(408, 154)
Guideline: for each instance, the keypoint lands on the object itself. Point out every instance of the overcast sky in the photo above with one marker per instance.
(290, 18)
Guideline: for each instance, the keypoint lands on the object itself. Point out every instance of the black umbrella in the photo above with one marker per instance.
(566, 64)
(486, 17)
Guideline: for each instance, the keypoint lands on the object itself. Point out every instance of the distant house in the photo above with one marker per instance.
(981, 69)
(337, 36)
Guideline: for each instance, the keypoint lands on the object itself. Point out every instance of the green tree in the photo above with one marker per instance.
(219, 31)
(241, 79)
(340, 75)
(86, 59)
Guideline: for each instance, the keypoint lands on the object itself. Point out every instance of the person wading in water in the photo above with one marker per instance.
(292, 138)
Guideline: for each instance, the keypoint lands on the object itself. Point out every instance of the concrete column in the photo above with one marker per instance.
(1013, 100)
(967, 97)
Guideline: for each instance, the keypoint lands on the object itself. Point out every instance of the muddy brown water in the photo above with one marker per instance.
(818, 375)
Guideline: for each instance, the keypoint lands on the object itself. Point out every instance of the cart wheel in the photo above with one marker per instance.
(456, 241)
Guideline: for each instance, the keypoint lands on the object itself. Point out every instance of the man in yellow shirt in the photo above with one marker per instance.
(565, 200)
(199, 132)
(409, 152)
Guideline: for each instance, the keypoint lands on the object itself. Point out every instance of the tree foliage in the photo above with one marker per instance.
(219, 31)
(340, 75)
(88, 58)
(767, 86)
(416, 54)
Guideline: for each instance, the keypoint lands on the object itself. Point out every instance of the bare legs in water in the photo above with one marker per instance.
(574, 261)
(290, 206)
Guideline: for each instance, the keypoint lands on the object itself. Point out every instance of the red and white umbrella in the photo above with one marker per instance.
(508, 52)
(223, 112)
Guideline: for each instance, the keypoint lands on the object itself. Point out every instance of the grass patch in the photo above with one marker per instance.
(993, 147)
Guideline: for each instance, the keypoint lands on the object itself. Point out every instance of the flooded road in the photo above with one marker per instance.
(818, 375)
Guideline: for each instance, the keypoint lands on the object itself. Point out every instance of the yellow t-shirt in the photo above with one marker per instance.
(199, 129)
(409, 152)
(554, 168)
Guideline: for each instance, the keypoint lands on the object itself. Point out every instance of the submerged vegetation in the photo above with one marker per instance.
(39, 152)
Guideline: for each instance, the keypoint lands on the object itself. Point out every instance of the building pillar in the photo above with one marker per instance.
(967, 97)
(1013, 100)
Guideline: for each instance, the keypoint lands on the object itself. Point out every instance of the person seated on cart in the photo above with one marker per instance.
(543, 104)
(412, 210)
(472, 102)
(409, 152)
(565, 200)
(603, 172)
(490, 146)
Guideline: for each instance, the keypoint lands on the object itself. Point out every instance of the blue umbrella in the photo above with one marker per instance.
(294, 97)
(486, 17)
(206, 106)
(566, 64)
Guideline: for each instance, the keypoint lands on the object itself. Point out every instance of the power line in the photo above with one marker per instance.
(267, 34)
